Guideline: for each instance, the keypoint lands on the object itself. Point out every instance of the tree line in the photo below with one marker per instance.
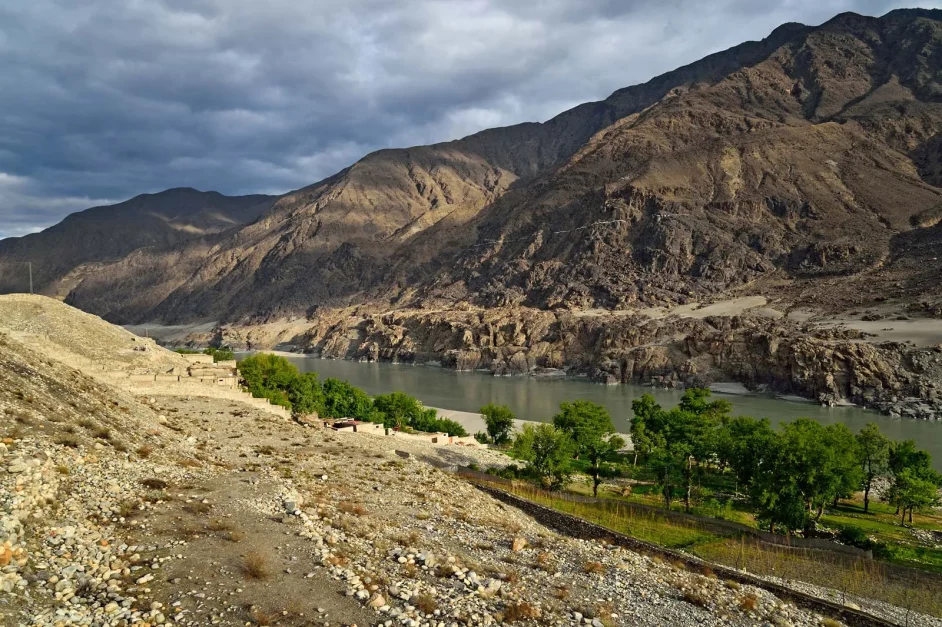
(789, 474)
(278, 380)
(582, 432)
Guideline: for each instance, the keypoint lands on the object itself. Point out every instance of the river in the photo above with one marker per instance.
(534, 398)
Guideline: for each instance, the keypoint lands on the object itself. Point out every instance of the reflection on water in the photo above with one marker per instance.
(538, 399)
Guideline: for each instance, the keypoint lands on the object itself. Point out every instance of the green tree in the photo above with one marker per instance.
(845, 458)
(220, 354)
(873, 453)
(810, 462)
(646, 413)
(777, 496)
(683, 438)
(400, 409)
(585, 422)
(452, 427)
(500, 422)
(342, 400)
(548, 452)
(592, 431)
(669, 467)
(914, 490)
(429, 421)
(912, 472)
(697, 401)
(740, 444)
(306, 394)
(268, 376)
(806, 461)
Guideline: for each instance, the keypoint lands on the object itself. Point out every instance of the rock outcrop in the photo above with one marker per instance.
(828, 365)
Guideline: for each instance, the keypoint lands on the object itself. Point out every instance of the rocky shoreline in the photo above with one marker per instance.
(830, 366)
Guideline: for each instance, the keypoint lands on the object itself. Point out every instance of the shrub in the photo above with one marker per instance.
(268, 376)
(696, 598)
(500, 421)
(713, 508)
(255, 566)
(853, 535)
(748, 602)
(103, 433)
(425, 602)
(593, 568)
(520, 611)
(352, 508)
(511, 471)
(68, 440)
(263, 618)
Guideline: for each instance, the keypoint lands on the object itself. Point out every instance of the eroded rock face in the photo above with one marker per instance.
(828, 366)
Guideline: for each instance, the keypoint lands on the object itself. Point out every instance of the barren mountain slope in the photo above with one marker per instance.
(810, 156)
(332, 242)
(104, 234)
(796, 167)
(78, 338)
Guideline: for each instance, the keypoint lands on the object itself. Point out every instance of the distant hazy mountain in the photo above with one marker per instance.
(106, 234)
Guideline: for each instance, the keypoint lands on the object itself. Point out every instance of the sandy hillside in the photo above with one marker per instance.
(77, 337)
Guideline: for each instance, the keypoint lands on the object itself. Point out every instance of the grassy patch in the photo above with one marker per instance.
(644, 526)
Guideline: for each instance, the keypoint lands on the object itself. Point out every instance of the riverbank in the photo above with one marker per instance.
(474, 422)
(537, 399)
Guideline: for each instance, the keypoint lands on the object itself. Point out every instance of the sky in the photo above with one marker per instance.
(101, 100)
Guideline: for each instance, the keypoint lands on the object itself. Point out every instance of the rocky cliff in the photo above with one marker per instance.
(766, 353)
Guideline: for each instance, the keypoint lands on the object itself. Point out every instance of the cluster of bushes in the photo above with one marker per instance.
(219, 354)
(581, 436)
(790, 474)
(499, 421)
(278, 380)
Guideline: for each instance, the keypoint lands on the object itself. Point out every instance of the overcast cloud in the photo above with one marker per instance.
(101, 100)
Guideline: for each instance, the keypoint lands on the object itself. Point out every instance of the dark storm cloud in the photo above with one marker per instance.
(103, 99)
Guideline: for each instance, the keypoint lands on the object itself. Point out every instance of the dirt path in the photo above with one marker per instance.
(212, 584)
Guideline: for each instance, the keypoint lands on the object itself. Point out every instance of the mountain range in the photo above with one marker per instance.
(804, 169)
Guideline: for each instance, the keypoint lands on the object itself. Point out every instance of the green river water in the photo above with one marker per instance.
(533, 398)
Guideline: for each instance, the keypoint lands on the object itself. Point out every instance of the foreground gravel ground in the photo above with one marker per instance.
(121, 510)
